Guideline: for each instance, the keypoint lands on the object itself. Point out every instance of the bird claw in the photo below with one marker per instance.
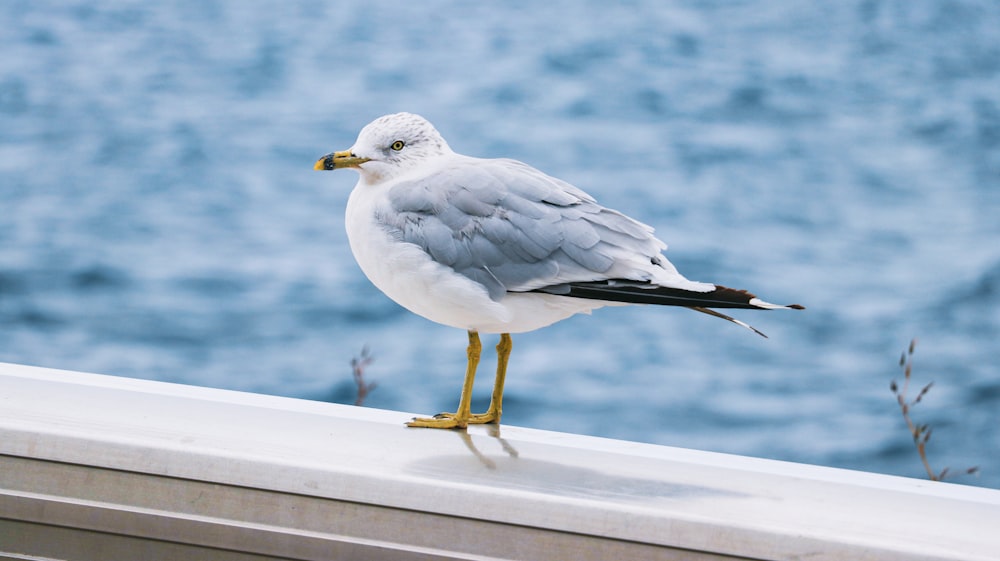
(439, 421)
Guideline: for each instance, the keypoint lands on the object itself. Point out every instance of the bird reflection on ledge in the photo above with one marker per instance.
(515, 469)
(493, 431)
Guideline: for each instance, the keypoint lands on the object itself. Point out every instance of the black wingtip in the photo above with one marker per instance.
(721, 315)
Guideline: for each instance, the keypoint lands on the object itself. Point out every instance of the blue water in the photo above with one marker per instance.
(160, 218)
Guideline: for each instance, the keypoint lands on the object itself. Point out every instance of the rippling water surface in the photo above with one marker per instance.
(160, 218)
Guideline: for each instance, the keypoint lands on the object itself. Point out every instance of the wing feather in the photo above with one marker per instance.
(513, 228)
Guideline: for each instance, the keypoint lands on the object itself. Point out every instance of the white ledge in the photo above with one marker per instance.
(103, 467)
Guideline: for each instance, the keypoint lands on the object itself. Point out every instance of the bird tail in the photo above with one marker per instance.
(632, 292)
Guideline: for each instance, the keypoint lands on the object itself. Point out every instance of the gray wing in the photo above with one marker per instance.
(512, 228)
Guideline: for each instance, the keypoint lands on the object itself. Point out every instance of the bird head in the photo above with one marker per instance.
(389, 147)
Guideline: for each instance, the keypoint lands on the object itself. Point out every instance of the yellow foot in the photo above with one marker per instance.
(439, 421)
(452, 421)
(489, 416)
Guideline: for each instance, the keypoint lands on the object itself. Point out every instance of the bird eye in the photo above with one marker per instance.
(398, 145)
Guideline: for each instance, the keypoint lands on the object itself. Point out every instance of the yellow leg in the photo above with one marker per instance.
(492, 414)
(460, 418)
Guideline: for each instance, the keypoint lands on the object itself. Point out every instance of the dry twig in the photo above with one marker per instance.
(921, 433)
(358, 365)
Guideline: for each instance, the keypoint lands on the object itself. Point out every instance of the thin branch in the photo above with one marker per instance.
(358, 365)
(921, 433)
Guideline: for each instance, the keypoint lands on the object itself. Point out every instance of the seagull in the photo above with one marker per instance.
(497, 246)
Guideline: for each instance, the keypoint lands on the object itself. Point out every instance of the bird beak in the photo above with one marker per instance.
(338, 160)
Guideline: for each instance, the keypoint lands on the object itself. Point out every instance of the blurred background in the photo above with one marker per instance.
(160, 217)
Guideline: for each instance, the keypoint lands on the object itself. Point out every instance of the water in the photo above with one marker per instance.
(160, 218)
